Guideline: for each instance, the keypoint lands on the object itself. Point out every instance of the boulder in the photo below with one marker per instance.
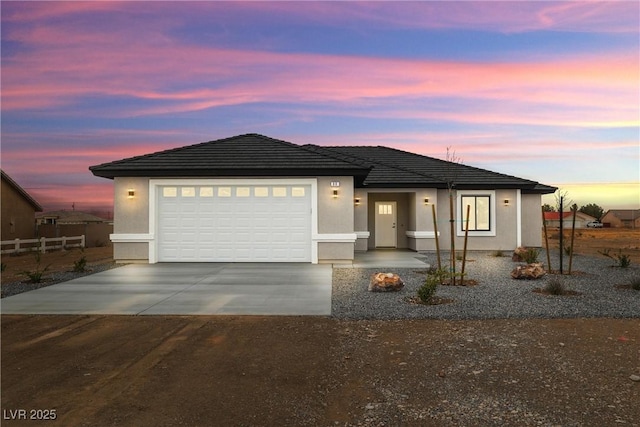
(528, 271)
(518, 254)
(385, 282)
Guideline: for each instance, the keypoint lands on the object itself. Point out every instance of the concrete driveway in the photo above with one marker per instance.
(182, 289)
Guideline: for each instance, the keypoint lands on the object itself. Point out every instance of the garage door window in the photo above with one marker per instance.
(224, 191)
(169, 191)
(261, 191)
(279, 191)
(297, 192)
(243, 192)
(188, 192)
(206, 191)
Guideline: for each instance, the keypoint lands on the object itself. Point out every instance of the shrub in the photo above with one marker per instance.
(623, 260)
(531, 255)
(635, 283)
(79, 266)
(497, 254)
(36, 275)
(567, 250)
(428, 290)
(555, 286)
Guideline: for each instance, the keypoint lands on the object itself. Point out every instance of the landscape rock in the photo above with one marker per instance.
(385, 282)
(518, 254)
(530, 271)
(635, 378)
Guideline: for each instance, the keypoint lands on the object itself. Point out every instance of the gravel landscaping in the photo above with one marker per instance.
(497, 295)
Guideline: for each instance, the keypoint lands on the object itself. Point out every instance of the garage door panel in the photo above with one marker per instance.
(234, 223)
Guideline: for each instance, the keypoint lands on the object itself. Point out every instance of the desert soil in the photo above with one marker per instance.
(296, 371)
(56, 261)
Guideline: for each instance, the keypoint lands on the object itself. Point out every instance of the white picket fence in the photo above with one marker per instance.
(42, 244)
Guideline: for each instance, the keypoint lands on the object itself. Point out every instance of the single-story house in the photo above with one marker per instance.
(18, 210)
(553, 219)
(257, 199)
(75, 223)
(68, 217)
(622, 218)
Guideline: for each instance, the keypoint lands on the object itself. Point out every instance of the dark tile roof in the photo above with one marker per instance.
(397, 168)
(242, 155)
(258, 155)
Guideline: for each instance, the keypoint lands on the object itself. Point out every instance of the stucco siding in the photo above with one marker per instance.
(335, 252)
(131, 215)
(131, 252)
(335, 214)
(18, 216)
(531, 220)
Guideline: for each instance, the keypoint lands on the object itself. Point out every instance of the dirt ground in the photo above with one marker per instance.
(57, 261)
(318, 371)
(592, 241)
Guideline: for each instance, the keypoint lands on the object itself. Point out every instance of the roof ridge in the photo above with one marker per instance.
(325, 151)
(458, 164)
(190, 146)
(395, 166)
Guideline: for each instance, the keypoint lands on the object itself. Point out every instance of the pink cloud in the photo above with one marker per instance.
(607, 83)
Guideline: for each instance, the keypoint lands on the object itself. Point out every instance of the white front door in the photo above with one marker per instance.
(385, 217)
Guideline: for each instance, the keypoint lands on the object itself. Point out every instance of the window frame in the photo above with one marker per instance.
(462, 210)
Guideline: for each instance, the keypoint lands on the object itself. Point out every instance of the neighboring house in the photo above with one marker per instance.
(254, 198)
(553, 219)
(67, 217)
(618, 218)
(74, 223)
(18, 211)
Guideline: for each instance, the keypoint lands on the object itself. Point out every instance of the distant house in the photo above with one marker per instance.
(553, 219)
(75, 223)
(622, 218)
(67, 217)
(18, 210)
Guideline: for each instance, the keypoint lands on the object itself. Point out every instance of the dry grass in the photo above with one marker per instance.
(593, 241)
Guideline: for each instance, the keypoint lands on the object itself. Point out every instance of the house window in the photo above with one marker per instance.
(479, 212)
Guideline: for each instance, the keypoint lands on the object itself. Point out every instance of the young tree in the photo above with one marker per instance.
(548, 208)
(593, 210)
(566, 200)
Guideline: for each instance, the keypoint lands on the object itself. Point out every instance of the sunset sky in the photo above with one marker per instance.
(548, 91)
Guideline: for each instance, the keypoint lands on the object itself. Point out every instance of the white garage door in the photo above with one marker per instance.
(252, 223)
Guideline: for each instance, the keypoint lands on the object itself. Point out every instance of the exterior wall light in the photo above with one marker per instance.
(334, 186)
(357, 201)
(426, 200)
(131, 193)
(506, 202)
